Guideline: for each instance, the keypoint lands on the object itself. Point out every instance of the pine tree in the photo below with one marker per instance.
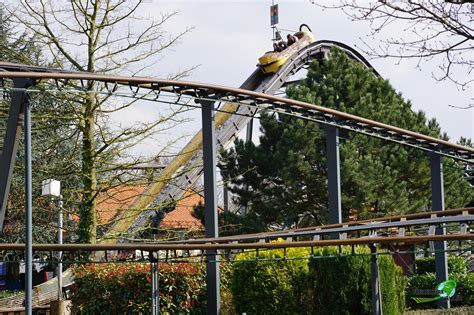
(285, 175)
(53, 152)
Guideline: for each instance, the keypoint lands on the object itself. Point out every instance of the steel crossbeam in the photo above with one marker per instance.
(274, 103)
(321, 232)
(155, 247)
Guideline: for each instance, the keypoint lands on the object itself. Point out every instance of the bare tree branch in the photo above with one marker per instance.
(431, 29)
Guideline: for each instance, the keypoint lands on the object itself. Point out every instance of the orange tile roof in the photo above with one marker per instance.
(121, 197)
(182, 216)
(115, 199)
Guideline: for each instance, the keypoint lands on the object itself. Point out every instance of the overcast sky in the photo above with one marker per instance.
(229, 36)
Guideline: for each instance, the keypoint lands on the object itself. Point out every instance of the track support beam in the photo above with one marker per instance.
(19, 113)
(11, 142)
(155, 284)
(23, 99)
(334, 175)
(437, 200)
(210, 205)
(376, 292)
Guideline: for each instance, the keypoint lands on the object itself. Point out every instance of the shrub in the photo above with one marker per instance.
(423, 283)
(126, 288)
(456, 265)
(271, 284)
(343, 283)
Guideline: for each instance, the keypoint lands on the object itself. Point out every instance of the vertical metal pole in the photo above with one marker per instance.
(11, 142)
(60, 253)
(249, 133)
(437, 200)
(155, 286)
(376, 292)
(210, 206)
(248, 138)
(28, 211)
(334, 176)
(226, 199)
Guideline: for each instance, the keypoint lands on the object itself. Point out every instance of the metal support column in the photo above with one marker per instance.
(28, 210)
(334, 176)
(376, 293)
(248, 138)
(155, 284)
(60, 253)
(10, 143)
(226, 199)
(210, 205)
(249, 133)
(437, 200)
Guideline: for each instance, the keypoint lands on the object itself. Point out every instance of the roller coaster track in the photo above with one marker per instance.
(424, 222)
(387, 231)
(228, 126)
(239, 106)
(377, 231)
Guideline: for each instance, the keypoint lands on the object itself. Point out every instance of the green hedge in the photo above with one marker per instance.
(268, 286)
(456, 265)
(323, 286)
(126, 289)
(423, 283)
(342, 284)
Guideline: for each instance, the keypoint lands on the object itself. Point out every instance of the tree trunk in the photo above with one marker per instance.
(88, 221)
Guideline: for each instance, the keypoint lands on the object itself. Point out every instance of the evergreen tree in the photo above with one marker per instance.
(285, 175)
(53, 154)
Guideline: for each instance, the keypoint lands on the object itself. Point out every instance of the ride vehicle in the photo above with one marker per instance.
(271, 61)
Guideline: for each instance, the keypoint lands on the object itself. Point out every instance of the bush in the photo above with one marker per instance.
(273, 285)
(423, 283)
(126, 289)
(465, 290)
(418, 286)
(456, 265)
(276, 286)
(343, 283)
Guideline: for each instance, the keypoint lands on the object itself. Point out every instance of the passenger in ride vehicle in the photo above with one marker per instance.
(279, 46)
(291, 39)
(276, 47)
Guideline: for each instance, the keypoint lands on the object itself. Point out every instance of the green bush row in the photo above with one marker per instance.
(273, 283)
(343, 283)
(126, 289)
(456, 265)
(423, 283)
(340, 284)
(335, 280)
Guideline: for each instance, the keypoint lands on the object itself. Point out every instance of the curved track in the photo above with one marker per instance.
(187, 168)
(255, 93)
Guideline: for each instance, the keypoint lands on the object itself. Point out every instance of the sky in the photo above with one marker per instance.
(229, 36)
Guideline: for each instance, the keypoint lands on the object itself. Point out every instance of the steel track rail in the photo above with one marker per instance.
(282, 105)
(467, 215)
(260, 245)
(225, 131)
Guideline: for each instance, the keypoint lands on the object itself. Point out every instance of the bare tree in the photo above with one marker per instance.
(429, 29)
(101, 36)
